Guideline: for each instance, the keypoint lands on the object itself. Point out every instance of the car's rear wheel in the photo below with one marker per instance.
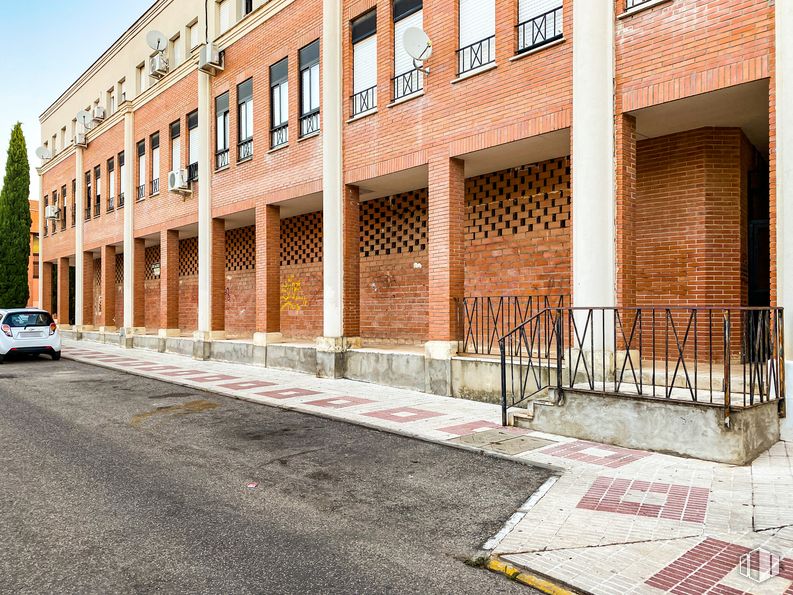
(56, 355)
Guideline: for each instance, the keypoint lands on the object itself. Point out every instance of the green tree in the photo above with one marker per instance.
(15, 224)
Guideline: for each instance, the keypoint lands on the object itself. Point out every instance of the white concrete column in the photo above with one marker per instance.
(204, 207)
(332, 176)
(784, 188)
(129, 221)
(79, 205)
(593, 165)
(41, 243)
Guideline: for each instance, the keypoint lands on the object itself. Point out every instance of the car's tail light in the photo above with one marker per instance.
(53, 328)
(7, 330)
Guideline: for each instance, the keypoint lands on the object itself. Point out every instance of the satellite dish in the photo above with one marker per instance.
(43, 153)
(156, 41)
(85, 118)
(417, 44)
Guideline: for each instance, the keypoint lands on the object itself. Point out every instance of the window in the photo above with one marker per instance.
(309, 88)
(176, 149)
(224, 9)
(245, 120)
(74, 202)
(63, 208)
(123, 86)
(364, 63)
(141, 170)
(192, 31)
(26, 319)
(34, 243)
(46, 221)
(98, 195)
(222, 130)
(407, 78)
(122, 169)
(63, 137)
(279, 103)
(143, 78)
(155, 163)
(111, 101)
(54, 144)
(111, 187)
(539, 23)
(177, 51)
(74, 129)
(54, 204)
(192, 146)
(88, 195)
(247, 7)
(477, 35)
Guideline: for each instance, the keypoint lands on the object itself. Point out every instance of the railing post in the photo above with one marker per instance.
(780, 332)
(559, 351)
(727, 380)
(503, 381)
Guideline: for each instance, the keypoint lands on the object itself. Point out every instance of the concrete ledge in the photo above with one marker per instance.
(237, 352)
(683, 429)
(149, 342)
(400, 370)
(297, 358)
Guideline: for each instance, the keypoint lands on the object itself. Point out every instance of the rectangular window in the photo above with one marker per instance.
(177, 51)
(176, 149)
(407, 78)
(74, 202)
(193, 34)
(123, 86)
(477, 35)
(34, 246)
(55, 204)
(155, 163)
(122, 174)
(143, 78)
(111, 101)
(222, 130)
(364, 63)
(247, 7)
(539, 23)
(46, 221)
(111, 187)
(141, 170)
(98, 194)
(279, 103)
(88, 195)
(245, 120)
(309, 88)
(63, 208)
(192, 146)
(224, 9)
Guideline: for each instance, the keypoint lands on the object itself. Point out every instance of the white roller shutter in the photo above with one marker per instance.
(365, 64)
(477, 21)
(402, 62)
(528, 9)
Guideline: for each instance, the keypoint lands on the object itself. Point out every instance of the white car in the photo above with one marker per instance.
(28, 331)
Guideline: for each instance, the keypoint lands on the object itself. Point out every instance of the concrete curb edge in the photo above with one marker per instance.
(524, 577)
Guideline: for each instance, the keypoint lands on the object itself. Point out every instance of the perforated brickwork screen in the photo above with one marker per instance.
(517, 200)
(120, 269)
(152, 263)
(188, 257)
(301, 239)
(241, 249)
(394, 224)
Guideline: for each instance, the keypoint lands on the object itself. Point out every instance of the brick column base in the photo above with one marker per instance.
(169, 283)
(88, 291)
(63, 292)
(107, 321)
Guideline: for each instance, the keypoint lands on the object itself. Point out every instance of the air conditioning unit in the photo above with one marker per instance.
(158, 66)
(52, 212)
(99, 113)
(177, 181)
(210, 59)
(79, 140)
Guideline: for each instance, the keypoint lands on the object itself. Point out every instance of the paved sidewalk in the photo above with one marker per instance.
(616, 521)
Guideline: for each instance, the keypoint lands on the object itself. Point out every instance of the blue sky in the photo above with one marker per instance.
(48, 45)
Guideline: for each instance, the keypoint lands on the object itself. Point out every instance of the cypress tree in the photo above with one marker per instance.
(15, 224)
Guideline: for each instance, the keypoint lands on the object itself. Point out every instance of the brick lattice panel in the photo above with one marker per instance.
(241, 249)
(120, 269)
(518, 200)
(188, 257)
(394, 224)
(301, 239)
(152, 258)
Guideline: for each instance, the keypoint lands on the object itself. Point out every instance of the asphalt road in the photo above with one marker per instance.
(112, 483)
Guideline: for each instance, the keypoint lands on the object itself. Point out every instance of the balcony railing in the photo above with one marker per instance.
(192, 172)
(408, 83)
(111, 203)
(155, 186)
(540, 30)
(120, 200)
(87, 213)
(364, 101)
(63, 218)
(97, 207)
(74, 215)
(245, 149)
(476, 55)
(141, 193)
(279, 135)
(221, 158)
(309, 123)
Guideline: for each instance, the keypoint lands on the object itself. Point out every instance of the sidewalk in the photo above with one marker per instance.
(616, 521)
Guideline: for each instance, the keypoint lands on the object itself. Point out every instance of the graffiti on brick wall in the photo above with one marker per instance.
(292, 297)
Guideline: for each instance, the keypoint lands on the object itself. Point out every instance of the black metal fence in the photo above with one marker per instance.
(485, 319)
(279, 135)
(727, 357)
(192, 172)
(540, 30)
(476, 55)
(245, 149)
(221, 158)
(363, 101)
(408, 83)
(309, 123)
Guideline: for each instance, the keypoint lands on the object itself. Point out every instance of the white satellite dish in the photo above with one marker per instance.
(85, 118)
(43, 153)
(156, 40)
(417, 44)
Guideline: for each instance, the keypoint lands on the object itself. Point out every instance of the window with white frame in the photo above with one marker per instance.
(309, 88)
(539, 23)
(111, 184)
(123, 86)
(176, 148)
(192, 145)
(193, 34)
(364, 63)
(98, 194)
(279, 103)
(143, 78)
(225, 13)
(245, 120)
(222, 130)
(141, 170)
(477, 35)
(154, 142)
(177, 50)
(408, 80)
(247, 7)
(122, 174)
(111, 101)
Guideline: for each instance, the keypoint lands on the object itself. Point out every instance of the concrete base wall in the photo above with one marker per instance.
(690, 430)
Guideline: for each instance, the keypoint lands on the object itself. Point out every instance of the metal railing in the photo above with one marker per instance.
(279, 135)
(476, 55)
(192, 172)
(97, 206)
(120, 200)
(221, 158)
(63, 218)
(111, 204)
(309, 123)
(155, 186)
(141, 191)
(635, 3)
(540, 30)
(364, 101)
(87, 212)
(245, 149)
(725, 357)
(485, 319)
(74, 215)
(408, 83)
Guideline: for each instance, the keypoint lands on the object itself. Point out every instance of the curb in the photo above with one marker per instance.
(525, 578)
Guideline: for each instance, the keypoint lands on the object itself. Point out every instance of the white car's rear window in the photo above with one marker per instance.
(24, 319)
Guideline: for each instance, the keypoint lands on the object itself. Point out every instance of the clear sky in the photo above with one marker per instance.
(47, 46)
